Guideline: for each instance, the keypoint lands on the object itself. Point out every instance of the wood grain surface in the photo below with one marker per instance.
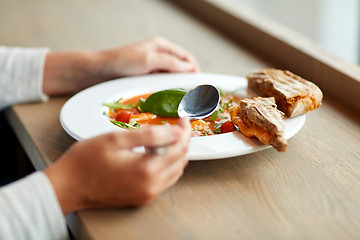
(312, 191)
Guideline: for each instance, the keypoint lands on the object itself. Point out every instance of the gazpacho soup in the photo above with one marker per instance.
(161, 108)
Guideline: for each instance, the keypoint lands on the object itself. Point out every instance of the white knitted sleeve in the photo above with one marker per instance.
(21, 75)
(29, 209)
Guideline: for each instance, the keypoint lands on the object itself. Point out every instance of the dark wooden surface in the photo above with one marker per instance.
(310, 192)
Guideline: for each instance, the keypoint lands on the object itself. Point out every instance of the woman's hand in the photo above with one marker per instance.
(154, 55)
(105, 172)
(69, 72)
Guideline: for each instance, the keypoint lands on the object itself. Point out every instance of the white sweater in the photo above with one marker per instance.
(29, 208)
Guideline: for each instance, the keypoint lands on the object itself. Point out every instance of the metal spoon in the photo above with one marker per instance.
(200, 102)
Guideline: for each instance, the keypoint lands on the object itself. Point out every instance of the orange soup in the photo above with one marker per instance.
(218, 123)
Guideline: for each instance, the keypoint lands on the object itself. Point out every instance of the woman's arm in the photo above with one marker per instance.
(29, 209)
(69, 72)
(21, 75)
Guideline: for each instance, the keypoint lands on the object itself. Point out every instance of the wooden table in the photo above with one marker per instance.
(310, 192)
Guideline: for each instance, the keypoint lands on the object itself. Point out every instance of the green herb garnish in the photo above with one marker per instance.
(218, 130)
(217, 125)
(217, 114)
(228, 104)
(130, 125)
(117, 105)
(214, 115)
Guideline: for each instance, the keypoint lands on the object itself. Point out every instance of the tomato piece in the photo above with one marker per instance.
(124, 116)
(227, 126)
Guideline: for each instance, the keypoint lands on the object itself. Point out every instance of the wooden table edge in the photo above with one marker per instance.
(25, 139)
(284, 47)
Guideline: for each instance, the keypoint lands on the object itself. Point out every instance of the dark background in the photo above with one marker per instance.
(14, 163)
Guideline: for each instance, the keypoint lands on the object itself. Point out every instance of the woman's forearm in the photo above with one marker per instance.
(69, 72)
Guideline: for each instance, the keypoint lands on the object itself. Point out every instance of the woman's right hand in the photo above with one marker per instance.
(105, 172)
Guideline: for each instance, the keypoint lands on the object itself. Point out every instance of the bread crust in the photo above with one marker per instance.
(293, 95)
(259, 117)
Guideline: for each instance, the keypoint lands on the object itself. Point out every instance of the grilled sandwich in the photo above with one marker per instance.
(293, 95)
(258, 117)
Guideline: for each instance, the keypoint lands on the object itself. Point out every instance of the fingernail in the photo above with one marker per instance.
(185, 66)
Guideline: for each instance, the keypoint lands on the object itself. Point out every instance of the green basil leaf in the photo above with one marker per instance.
(163, 103)
(141, 105)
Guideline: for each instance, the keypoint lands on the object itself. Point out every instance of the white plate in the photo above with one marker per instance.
(82, 115)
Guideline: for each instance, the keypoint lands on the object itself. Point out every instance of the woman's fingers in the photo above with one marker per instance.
(169, 63)
(174, 154)
(172, 164)
(163, 45)
(176, 151)
(172, 173)
(173, 49)
(184, 123)
(172, 58)
(154, 136)
(148, 56)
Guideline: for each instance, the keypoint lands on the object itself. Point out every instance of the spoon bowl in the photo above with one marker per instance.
(200, 102)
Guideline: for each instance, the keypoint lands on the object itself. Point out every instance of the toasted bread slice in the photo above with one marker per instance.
(259, 117)
(293, 95)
